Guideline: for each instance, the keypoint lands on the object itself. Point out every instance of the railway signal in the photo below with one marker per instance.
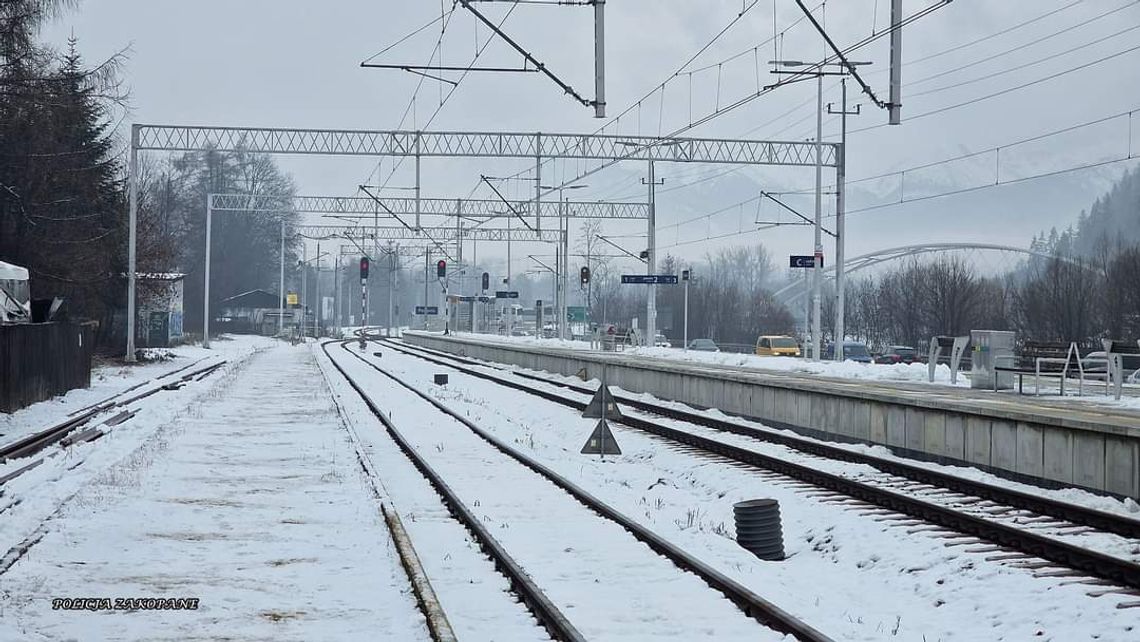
(364, 265)
(441, 269)
(486, 281)
(584, 275)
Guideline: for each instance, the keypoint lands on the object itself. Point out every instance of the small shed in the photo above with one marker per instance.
(160, 307)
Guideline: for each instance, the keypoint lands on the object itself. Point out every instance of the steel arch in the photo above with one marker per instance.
(894, 253)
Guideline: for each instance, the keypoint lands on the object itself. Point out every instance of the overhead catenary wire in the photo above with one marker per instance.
(810, 101)
(998, 181)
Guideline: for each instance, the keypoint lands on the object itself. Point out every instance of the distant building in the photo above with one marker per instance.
(160, 308)
(253, 312)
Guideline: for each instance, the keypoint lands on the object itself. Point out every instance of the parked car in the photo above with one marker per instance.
(661, 341)
(777, 346)
(897, 354)
(852, 351)
(703, 345)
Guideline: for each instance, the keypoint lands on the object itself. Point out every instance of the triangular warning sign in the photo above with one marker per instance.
(601, 441)
(602, 406)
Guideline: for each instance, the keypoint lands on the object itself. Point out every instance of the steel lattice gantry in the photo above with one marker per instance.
(423, 144)
(473, 208)
(433, 234)
(420, 144)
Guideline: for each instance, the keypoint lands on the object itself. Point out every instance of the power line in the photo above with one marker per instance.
(993, 150)
(1022, 47)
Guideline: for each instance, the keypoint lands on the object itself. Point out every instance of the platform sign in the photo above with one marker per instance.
(801, 261)
(649, 279)
(427, 310)
(504, 294)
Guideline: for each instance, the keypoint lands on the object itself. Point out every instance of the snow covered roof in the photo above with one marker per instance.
(12, 272)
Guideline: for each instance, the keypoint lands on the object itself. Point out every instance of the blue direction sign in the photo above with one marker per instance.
(504, 294)
(427, 310)
(649, 279)
(805, 261)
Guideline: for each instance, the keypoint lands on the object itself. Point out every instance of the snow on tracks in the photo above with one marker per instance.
(252, 503)
(609, 584)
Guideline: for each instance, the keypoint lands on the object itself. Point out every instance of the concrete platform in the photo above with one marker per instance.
(1050, 441)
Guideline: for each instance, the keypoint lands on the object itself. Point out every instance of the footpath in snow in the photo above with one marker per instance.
(252, 504)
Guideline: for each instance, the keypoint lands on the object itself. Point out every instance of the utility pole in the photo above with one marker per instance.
(895, 105)
(391, 283)
(281, 285)
(304, 289)
(651, 304)
(206, 278)
(686, 275)
(840, 230)
(817, 271)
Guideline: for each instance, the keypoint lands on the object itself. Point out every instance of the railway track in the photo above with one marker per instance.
(68, 430)
(1023, 529)
(559, 626)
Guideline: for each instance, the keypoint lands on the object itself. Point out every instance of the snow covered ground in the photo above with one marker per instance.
(244, 494)
(911, 373)
(610, 586)
(110, 379)
(851, 575)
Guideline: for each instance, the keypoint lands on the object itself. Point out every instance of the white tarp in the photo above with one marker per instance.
(11, 272)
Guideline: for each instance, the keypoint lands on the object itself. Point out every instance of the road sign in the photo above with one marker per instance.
(601, 441)
(504, 294)
(800, 261)
(576, 313)
(649, 279)
(427, 310)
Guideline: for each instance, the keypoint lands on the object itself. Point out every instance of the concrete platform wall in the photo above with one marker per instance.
(1040, 452)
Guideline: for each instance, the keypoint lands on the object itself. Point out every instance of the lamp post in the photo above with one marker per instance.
(303, 264)
(561, 260)
(819, 71)
(651, 262)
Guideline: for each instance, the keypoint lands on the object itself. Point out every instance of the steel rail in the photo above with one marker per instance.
(1084, 516)
(1094, 563)
(40, 440)
(753, 605)
(522, 585)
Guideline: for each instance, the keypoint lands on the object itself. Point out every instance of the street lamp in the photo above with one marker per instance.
(819, 71)
(651, 263)
(561, 260)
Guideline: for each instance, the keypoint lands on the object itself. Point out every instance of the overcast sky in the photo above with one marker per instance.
(290, 63)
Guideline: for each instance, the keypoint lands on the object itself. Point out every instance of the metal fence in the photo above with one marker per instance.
(41, 360)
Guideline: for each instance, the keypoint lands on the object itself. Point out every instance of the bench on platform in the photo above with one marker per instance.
(1044, 359)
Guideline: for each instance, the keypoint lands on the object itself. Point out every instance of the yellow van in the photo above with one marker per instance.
(777, 346)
